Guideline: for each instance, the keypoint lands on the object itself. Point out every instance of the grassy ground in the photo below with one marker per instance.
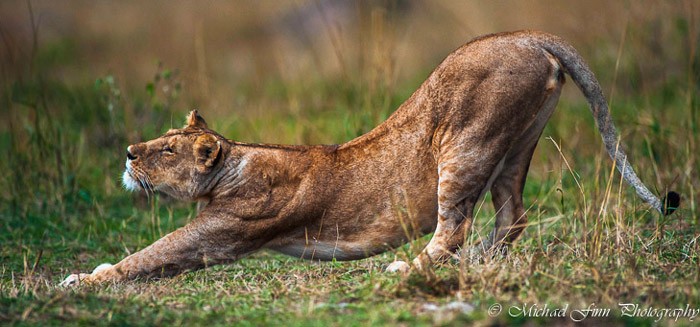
(590, 244)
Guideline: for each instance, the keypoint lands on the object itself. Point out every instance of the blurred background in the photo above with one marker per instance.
(230, 56)
(80, 80)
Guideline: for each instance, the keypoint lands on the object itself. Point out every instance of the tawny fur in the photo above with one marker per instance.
(471, 127)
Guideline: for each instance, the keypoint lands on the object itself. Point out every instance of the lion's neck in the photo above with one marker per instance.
(252, 172)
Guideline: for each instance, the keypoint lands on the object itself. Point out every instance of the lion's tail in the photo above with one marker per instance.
(583, 77)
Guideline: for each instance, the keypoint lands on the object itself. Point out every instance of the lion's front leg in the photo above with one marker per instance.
(191, 247)
(175, 252)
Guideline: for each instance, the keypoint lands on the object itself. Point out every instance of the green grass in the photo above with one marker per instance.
(590, 242)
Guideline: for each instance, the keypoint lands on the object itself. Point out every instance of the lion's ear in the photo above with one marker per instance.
(195, 120)
(207, 152)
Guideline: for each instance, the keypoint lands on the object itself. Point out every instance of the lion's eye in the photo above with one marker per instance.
(168, 149)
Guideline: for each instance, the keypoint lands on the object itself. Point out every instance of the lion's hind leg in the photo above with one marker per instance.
(463, 177)
(507, 198)
(507, 188)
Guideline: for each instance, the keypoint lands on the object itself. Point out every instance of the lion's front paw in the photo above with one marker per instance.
(398, 267)
(77, 279)
(74, 280)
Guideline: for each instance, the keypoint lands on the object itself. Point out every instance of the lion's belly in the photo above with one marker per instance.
(324, 250)
(375, 227)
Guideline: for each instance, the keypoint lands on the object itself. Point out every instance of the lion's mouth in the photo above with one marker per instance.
(130, 183)
(133, 181)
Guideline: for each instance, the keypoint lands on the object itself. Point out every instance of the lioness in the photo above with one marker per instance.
(471, 127)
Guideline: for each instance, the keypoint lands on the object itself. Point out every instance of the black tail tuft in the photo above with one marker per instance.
(670, 203)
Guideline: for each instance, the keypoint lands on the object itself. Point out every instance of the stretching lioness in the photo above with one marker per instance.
(470, 128)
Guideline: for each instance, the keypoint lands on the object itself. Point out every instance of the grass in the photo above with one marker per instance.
(590, 242)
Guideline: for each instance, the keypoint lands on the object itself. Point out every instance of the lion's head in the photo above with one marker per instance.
(182, 163)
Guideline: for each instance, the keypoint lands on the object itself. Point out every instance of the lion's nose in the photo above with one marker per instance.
(129, 155)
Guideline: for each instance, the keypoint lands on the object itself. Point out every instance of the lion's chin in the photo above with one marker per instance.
(129, 182)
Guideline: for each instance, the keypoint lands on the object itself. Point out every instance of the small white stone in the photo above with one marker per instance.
(462, 307)
(429, 307)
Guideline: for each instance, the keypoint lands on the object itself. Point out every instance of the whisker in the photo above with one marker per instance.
(150, 189)
(143, 185)
(144, 182)
(150, 183)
